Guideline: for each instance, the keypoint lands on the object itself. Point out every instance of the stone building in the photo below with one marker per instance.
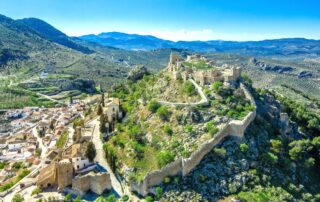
(64, 173)
(76, 154)
(178, 68)
(112, 112)
(58, 174)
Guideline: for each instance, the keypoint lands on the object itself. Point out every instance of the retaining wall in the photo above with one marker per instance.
(185, 166)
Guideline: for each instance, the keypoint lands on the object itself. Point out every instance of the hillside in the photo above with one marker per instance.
(26, 55)
(170, 119)
(49, 32)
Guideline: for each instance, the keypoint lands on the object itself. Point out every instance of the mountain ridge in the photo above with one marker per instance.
(149, 42)
(48, 31)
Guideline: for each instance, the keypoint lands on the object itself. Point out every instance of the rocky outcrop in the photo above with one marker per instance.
(304, 74)
(269, 67)
(137, 73)
(270, 109)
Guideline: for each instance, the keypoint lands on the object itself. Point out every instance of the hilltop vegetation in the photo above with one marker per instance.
(153, 135)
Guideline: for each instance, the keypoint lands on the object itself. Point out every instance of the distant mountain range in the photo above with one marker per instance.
(265, 47)
(30, 46)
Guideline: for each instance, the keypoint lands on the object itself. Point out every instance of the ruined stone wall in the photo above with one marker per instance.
(237, 127)
(156, 177)
(190, 163)
(100, 182)
(96, 182)
(81, 184)
(185, 166)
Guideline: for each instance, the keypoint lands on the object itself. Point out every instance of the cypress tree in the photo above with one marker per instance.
(102, 124)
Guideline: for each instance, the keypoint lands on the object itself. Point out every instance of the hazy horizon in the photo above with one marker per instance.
(176, 20)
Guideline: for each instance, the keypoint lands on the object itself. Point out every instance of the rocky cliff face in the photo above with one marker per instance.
(269, 67)
(137, 73)
(270, 109)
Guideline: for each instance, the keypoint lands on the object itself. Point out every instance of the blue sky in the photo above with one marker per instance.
(176, 19)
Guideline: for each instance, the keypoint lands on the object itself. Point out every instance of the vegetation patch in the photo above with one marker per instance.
(153, 135)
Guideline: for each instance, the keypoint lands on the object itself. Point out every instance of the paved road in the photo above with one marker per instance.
(40, 142)
(50, 98)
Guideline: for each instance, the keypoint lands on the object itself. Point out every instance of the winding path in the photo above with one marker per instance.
(203, 101)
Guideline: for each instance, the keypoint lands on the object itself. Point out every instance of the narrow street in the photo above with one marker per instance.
(100, 157)
(119, 187)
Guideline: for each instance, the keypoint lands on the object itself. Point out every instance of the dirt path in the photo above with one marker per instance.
(203, 101)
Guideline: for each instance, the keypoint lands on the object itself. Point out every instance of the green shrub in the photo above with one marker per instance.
(167, 130)
(134, 131)
(2, 164)
(17, 198)
(166, 180)
(202, 178)
(163, 113)
(244, 148)
(159, 192)
(188, 128)
(62, 140)
(276, 146)
(270, 158)
(310, 162)
(176, 180)
(125, 198)
(217, 86)
(149, 199)
(213, 131)
(221, 152)
(189, 88)
(164, 158)
(153, 106)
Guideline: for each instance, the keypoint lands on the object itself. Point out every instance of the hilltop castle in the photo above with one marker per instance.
(201, 70)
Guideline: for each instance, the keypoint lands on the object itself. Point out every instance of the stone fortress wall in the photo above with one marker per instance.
(185, 166)
(91, 181)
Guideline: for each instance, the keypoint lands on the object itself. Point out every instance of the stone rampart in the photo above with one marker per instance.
(185, 166)
(96, 182)
(156, 177)
(190, 163)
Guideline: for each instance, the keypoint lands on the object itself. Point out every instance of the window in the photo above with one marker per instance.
(77, 166)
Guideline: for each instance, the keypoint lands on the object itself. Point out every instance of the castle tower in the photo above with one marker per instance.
(64, 173)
